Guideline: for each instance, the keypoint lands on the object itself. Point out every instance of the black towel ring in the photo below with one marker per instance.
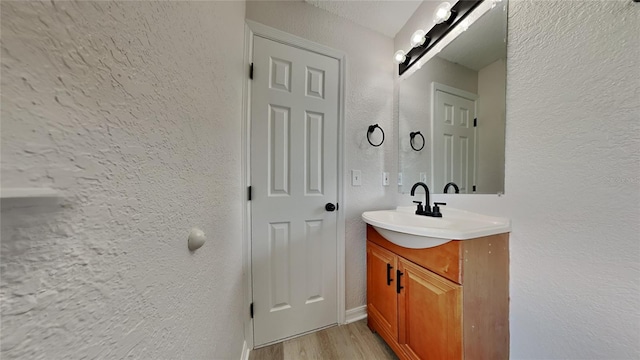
(372, 128)
(412, 135)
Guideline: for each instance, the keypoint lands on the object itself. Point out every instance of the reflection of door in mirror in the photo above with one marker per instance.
(454, 138)
(415, 114)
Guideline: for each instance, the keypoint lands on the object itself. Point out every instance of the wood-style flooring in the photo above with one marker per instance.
(352, 341)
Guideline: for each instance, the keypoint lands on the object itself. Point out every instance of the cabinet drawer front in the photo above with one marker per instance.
(444, 260)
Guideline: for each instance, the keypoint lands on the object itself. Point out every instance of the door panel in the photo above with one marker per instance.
(314, 241)
(314, 153)
(294, 131)
(454, 141)
(280, 262)
(279, 150)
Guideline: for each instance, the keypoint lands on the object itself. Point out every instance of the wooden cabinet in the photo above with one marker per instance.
(446, 302)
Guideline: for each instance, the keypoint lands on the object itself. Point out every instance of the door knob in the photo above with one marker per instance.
(330, 207)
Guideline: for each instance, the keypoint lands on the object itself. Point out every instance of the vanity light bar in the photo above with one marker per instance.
(458, 12)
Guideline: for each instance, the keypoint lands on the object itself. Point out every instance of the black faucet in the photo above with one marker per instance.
(455, 187)
(427, 206)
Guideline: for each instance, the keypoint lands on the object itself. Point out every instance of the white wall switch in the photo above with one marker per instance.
(399, 178)
(423, 177)
(356, 177)
(385, 178)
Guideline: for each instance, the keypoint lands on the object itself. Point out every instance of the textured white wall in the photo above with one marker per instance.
(572, 179)
(132, 110)
(491, 127)
(369, 85)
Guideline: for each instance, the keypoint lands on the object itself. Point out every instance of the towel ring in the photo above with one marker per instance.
(372, 128)
(455, 188)
(412, 135)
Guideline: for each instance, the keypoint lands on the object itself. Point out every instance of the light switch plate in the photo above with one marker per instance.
(356, 178)
(385, 178)
(423, 177)
(399, 178)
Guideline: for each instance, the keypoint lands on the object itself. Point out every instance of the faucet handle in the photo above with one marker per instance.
(420, 209)
(436, 209)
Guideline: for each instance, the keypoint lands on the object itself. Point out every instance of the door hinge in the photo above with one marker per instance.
(249, 193)
(251, 310)
(475, 122)
(474, 188)
(251, 71)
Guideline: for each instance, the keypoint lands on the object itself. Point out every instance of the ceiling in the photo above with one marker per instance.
(386, 17)
(482, 44)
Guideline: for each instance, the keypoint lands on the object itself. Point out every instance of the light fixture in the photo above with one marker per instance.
(418, 38)
(399, 57)
(426, 44)
(442, 13)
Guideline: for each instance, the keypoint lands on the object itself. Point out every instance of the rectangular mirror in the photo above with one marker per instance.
(452, 110)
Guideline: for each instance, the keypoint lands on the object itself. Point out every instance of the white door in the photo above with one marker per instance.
(454, 141)
(294, 171)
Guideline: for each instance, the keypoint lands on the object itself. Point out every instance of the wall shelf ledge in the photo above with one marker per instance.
(28, 193)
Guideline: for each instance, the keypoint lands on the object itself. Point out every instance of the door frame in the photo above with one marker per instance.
(435, 86)
(253, 29)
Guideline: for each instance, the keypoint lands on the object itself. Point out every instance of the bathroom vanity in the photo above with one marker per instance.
(449, 301)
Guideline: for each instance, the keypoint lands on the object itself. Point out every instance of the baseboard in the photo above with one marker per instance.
(355, 314)
(245, 352)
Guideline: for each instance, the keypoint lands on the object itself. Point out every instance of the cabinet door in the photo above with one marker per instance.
(429, 311)
(382, 300)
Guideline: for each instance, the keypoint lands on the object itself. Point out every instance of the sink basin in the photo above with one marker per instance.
(404, 228)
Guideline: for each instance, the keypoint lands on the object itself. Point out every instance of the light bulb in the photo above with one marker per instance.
(442, 13)
(417, 39)
(465, 25)
(399, 57)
